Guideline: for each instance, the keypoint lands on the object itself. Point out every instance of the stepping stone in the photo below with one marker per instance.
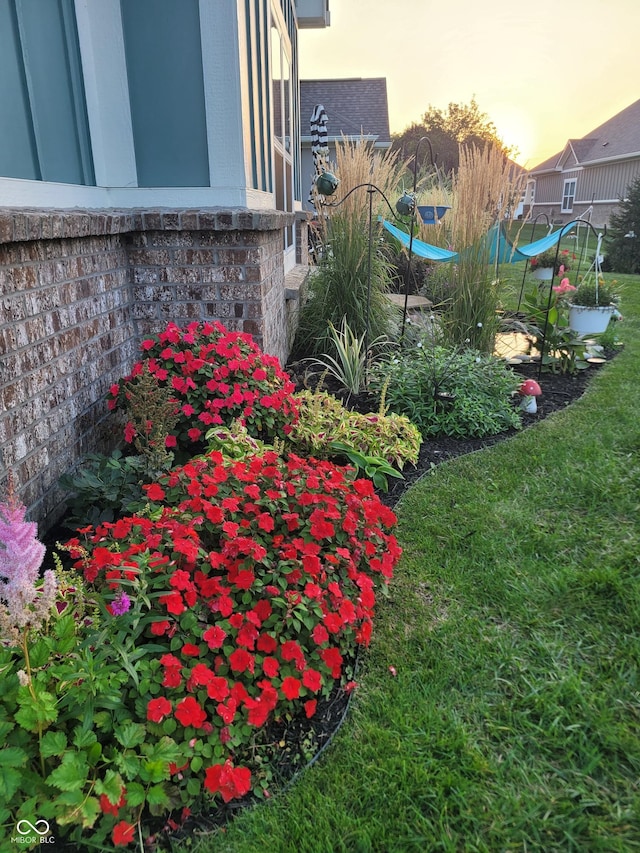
(414, 303)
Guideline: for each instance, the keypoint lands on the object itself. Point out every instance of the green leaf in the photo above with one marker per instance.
(53, 743)
(111, 786)
(154, 771)
(193, 787)
(39, 653)
(83, 738)
(38, 713)
(128, 763)
(9, 783)
(65, 627)
(130, 734)
(135, 794)
(71, 775)
(13, 756)
(157, 796)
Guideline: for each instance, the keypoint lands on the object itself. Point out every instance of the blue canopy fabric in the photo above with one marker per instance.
(500, 249)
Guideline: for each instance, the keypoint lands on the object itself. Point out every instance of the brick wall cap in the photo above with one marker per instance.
(20, 224)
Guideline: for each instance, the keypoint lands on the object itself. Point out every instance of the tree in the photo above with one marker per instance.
(622, 241)
(447, 129)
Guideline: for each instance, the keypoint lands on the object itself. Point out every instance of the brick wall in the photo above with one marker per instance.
(80, 289)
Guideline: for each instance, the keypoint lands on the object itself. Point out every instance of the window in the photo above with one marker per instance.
(568, 196)
(282, 130)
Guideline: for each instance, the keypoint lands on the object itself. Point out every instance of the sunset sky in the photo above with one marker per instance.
(543, 71)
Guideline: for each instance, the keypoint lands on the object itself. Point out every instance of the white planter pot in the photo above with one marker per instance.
(586, 320)
(543, 273)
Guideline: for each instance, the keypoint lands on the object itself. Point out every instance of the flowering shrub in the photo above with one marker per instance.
(215, 376)
(235, 601)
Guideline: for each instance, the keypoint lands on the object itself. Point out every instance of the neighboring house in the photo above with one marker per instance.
(356, 108)
(591, 175)
(150, 171)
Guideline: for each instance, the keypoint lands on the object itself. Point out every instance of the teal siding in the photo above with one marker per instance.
(166, 91)
(44, 132)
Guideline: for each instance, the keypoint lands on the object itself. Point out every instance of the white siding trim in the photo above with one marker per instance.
(107, 92)
(220, 37)
(18, 192)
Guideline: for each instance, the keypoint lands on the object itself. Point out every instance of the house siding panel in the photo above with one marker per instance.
(166, 89)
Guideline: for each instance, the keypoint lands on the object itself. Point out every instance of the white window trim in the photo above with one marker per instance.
(571, 196)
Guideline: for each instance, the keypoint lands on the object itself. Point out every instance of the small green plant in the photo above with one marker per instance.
(561, 349)
(349, 367)
(103, 487)
(152, 413)
(448, 392)
(323, 420)
(375, 468)
(593, 291)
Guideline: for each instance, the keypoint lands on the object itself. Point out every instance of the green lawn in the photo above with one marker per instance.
(513, 722)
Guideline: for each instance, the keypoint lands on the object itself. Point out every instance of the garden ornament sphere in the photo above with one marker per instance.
(327, 183)
(406, 204)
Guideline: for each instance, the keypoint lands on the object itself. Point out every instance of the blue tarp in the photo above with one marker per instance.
(507, 254)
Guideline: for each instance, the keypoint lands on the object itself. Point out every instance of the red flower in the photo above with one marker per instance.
(291, 687)
(229, 781)
(201, 675)
(218, 688)
(241, 661)
(154, 492)
(320, 634)
(159, 628)
(214, 637)
(123, 834)
(333, 659)
(158, 709)
(191, 650)
(107, 807)
(267, 643)
(312, 680)
(310, 707)
(270, 667)
(190, 713)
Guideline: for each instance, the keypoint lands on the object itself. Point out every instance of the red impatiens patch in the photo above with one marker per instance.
(256, 581)
(216, 376)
